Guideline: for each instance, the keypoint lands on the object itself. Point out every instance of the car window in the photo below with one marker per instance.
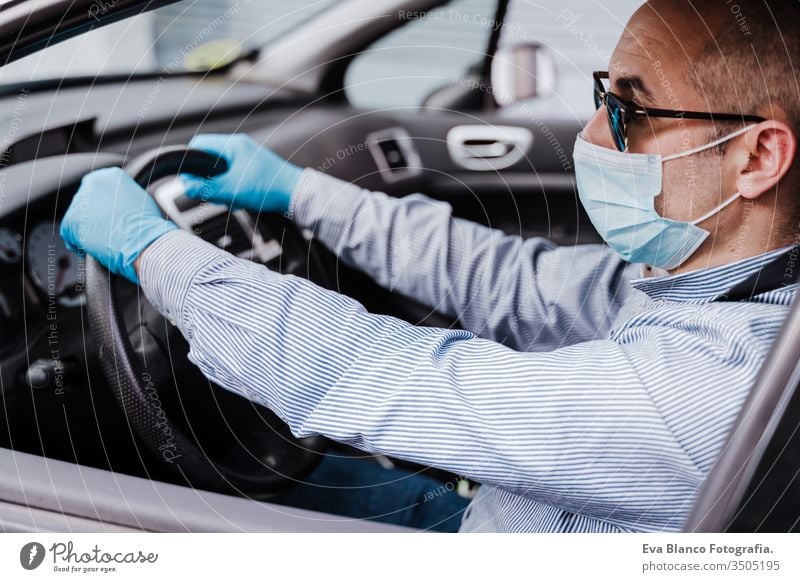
(164, 38)
(581, 38)
(432, 50)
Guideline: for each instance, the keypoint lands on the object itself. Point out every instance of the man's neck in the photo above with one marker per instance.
(713, 255)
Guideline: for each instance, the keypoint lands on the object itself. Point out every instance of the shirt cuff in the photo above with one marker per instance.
(167, 269)
(324, 204)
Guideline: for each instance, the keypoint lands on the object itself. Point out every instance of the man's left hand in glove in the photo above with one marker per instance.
(113, 219)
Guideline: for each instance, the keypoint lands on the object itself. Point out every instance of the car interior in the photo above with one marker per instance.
(87, 363)
(83, 356)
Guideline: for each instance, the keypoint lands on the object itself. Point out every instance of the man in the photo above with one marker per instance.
(583, 394)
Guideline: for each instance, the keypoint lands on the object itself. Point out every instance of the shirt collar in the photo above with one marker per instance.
(703, 284)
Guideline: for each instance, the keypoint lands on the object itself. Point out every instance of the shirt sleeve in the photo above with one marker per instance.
(576, 427)
(526, 293)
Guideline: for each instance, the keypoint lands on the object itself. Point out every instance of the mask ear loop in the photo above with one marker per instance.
(719, 208)
(730, 136)
(733, 198)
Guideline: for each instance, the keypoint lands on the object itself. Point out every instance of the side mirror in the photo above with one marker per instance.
(522, 71)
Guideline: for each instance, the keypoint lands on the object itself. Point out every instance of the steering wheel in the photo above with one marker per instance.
(237, 446)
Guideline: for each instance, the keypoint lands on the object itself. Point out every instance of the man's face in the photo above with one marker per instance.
(650, 67)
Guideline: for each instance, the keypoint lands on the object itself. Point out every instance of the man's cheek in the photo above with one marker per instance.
(676, 198)
(688, 192)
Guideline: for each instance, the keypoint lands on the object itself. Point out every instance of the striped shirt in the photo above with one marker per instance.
(581, 397)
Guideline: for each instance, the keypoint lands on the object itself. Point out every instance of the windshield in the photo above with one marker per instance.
(181, 36)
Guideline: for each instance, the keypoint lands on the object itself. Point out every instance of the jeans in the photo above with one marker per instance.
(363, 489)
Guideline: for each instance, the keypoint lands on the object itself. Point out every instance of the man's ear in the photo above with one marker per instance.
(772, 146)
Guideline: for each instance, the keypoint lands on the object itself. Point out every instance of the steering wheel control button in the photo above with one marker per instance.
(184, 203)
(48, 375)
(233, 231)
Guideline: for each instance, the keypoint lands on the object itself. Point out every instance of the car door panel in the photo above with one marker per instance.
(534, 196)
(91, 499)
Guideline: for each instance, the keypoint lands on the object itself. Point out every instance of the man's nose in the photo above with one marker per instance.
(596, 130)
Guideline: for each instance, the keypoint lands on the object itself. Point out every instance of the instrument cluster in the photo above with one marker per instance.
(50, 272)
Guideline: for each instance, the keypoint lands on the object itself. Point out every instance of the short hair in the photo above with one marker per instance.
(751, 62)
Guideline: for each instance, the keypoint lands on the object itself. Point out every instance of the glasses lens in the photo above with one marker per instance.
(616, 121)
(598, 97)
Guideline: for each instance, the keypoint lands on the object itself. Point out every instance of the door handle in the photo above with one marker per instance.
(488, 147)
(476, 148)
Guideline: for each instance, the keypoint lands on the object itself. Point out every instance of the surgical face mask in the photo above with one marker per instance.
(618, 191)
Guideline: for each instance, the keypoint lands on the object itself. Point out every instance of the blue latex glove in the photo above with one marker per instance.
(112, 219)
(257, 178)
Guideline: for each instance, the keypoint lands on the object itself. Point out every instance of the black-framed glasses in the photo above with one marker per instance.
(621, 112)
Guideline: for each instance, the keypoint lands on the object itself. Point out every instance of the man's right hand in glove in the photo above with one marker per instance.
(257, 178)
